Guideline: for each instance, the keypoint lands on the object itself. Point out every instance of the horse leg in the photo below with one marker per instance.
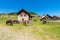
(24, 23)
(11, 23)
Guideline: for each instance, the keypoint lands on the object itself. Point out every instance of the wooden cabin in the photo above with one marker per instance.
(56, 18)
(46, 17)
(23, 15)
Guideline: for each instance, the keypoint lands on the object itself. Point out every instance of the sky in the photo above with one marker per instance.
(41, 7)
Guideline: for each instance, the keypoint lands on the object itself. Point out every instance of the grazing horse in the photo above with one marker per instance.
(15, 21)
(44, 21)
(25, 22)
(10, 22)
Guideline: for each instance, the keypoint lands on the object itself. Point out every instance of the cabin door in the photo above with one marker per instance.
(22, 19)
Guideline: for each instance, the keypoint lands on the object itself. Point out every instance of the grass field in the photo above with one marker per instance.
(34, 31)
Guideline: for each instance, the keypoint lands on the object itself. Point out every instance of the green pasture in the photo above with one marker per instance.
(48, 31)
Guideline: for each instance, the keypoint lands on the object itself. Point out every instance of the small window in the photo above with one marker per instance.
(25, 15)
(21, 15)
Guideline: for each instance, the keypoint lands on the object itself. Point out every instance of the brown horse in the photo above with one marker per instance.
(15, 21)
(25, 22)
(9, 22)
(44, 21)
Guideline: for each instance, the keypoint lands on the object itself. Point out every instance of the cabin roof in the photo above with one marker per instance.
(46, 15)
(55, 16)
(22, 10)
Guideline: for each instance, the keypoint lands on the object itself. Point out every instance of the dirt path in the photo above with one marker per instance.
(7, 34)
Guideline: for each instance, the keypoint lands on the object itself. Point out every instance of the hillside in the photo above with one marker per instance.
(15, 13)
(33, 31)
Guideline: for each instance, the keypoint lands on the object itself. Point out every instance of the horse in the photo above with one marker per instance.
(9, 22)
(44, 21)
(15, 21)
(25, 22)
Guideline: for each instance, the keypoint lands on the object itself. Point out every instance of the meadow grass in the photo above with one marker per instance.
(50, 30)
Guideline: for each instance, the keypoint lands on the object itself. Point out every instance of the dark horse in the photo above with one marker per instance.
(15, 21)
(9, 22)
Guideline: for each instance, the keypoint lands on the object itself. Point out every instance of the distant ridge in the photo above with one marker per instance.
(15, 13)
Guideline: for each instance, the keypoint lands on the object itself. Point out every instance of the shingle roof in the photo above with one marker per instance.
(22, 10)
(46, 15)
